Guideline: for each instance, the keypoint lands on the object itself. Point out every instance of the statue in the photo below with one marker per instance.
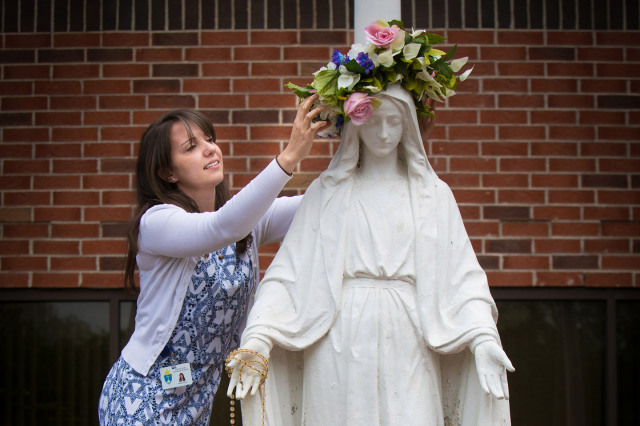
(375, 309)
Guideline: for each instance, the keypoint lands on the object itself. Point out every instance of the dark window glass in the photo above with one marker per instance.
(127, 322)
(125, 15)
(157, 14)
(10, 17)
(240, 11)
(584, 14)
(568, 15)
(175, 15)
(558, 350)
(26, 16)
(471, 13)
(109, 13)
(504, 13)
(44, 16)
(455, 14)
(257, 14)
(488, 20)
(93, 15)
(55, 362)
(628, 343)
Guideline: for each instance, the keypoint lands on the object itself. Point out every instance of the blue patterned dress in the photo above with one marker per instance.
(206, 331)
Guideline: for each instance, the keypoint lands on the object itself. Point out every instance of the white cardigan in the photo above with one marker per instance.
(172, 241)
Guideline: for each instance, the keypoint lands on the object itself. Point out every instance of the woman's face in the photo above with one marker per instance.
(196, 164)
(382, 132)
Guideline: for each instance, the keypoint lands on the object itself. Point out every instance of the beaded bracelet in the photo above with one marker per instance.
(259, 365)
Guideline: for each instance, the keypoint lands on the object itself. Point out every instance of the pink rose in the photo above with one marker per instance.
(380, 35)
(358, 107)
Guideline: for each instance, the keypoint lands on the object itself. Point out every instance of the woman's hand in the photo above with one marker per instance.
(302, 134)
(244, 378)
(492, 363)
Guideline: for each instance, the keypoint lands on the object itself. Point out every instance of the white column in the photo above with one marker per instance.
(367, 11)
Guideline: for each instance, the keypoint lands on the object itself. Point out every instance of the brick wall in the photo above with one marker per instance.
(541, 146)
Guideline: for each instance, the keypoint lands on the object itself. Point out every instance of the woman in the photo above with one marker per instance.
(197, 253)
(378, 285)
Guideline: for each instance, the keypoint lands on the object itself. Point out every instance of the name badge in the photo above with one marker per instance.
(175, 376)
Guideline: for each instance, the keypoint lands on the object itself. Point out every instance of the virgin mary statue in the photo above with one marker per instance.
(375, 310)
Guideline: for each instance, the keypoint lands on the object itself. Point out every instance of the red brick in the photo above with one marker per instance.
(546, 85)
(24, 263)
(56, 280)
(107, 86)
(105, 246)
(525, 262)
(571, 197)
(472, 133)
(505, 180)
(504, 149)
(236, 69)
(601, 85)
(606, 246)
(14, 247)
(25, 166)
(473, 164)
(23, 72)
(124, 133)
(271, 69)
(76, 39)
(81, 230)
(14, 280)
(575, 229)
(58, 119)
(571, 165)
(554, 181)
(521, 69)
(481, 37)
(73, 263)
(108, 149)
(121, 38)
(619, 165)
(73, 102)
(272, 101)
(122, 102)
(605, 279)
(482, 228)
(23, 40)
(522, 132)
(603, 149)
(15, 182)
(158, 55)
(600, 54)
(94, 214)
(522, 165)
(58, 87)
(253, 85)
(620, 262)
(454, 148)
(602, 117)
(559, 279)
(554, 117)
(620, 229)
(29, 198)
(222, 101)
(76, 198)
(509, 279)
(57, 214)
(278, 38)
(69, 134)
(521, 196)
(125, 70)
(619, 133)
(120, 197)
(207, 85)
(105, 181)
(270, 133)
(557, 245)
(475, 101)
(618, 70)
(570, 38)
(502, 116)
(534, 229)
(521, 101)
(79, 71)
(575, 70)
(224, 38)
(571, 101)
(102, 280)
(518, 85)
(24, 104)
(619, 197)
(15, 88)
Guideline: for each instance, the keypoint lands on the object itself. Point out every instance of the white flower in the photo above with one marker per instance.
(464, 75)
(372, 89)
(457, 64)
(416, 33)
(356, 49)
(386, 58)
(411, 50)
(347, 79)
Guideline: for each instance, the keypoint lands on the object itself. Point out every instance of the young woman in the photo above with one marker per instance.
(197, 255)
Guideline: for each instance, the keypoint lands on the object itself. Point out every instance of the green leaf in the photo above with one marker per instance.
(326, 82)
(450, 53)
(301, 92)
(400, 24)
(435, 38)
(354, 66)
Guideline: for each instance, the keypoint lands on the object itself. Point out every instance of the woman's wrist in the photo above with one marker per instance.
(285, 164)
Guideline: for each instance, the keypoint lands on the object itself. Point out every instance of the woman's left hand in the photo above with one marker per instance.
(492, 363)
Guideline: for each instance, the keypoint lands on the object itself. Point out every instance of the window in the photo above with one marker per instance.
(576, 353)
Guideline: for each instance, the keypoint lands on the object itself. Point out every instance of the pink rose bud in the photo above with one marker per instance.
(381, 36)
(358, 107)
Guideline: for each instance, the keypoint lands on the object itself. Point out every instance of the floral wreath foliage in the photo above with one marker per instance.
(391, 55)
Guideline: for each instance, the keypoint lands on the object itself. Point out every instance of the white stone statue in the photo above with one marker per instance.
(375, 310)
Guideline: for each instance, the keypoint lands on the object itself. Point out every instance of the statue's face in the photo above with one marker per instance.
(383, 130)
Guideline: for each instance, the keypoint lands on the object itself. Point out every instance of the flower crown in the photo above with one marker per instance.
(391, 55)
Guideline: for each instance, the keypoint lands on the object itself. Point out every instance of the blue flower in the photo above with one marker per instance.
(365, 62)
(340, 120)
(337, 58)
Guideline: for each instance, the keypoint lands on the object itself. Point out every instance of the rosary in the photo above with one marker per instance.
(260, 365)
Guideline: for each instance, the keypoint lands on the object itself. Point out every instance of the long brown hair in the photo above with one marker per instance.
(154, 158)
